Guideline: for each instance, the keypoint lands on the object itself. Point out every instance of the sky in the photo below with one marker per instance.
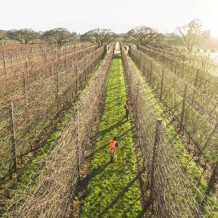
(118, 15)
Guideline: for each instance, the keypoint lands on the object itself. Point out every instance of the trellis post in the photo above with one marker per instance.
(12, 137)
(155, 157)
(183, 107)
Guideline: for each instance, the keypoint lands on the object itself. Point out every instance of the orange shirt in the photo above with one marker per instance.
(112, 146)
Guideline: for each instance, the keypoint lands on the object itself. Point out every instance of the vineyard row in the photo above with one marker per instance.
(177, 187)
(195, 113)
(53, 185)
(24, 122)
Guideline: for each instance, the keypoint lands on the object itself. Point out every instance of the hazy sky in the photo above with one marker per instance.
(117, 15)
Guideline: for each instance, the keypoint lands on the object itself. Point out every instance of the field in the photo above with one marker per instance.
(59, 108)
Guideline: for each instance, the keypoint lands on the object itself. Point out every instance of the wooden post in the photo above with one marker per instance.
(183, 68)
(55, 54)
(164, 57)
(65, 61)
(57, 92)
(12, 137)
(210, 136)
(57, 85)
(25, 80)
(196, 78)
(211, 186)
(11, 59)
(195, 85)
(137, 94)
(25, 88)
(175, 69)
(27, 69)
(77, 145)
(76, 72)
(16, 58)
(6, 82)
(52, 68)
(45, 57)
(155, 157)
(161, 88)
(85, 69)
(151, 71)
(183, 107)
(3, 55)
(200, 80)
(213, 178)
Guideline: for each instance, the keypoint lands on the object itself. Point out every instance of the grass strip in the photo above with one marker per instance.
(113, 189)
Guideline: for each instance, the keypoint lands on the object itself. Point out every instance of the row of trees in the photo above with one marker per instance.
(187, 36)
(60, 36)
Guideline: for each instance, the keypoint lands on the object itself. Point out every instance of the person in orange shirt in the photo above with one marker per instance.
(112, 148)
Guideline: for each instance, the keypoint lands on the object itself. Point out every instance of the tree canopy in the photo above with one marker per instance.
(192, 33)
(143, 35)
(23, 36)
(3, 34)
(60, 36)
(98, 36)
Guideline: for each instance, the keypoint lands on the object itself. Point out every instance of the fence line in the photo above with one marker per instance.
(179, 189)
(33, 113)
(195, 111)
(55, 185)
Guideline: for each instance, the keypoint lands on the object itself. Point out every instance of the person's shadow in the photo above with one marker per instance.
(116, 125)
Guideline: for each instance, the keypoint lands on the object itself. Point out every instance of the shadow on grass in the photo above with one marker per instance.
(117, 56)
(103, 132)
(98, 170)
(123, 134)
(84, 182)
(114, 87)
(116, 99)
(146, 207)
(120, 195)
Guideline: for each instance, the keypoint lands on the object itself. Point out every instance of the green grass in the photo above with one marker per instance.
(113, 189)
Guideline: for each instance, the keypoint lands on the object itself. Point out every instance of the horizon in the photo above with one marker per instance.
(119, 16)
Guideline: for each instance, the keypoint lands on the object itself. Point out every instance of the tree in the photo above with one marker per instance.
(143, 35)
(3, 35)
(24, 36)
(98, 36)
(60, 36)
(172, 39)
(192, 33)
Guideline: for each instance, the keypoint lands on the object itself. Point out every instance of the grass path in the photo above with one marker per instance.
(113, 189)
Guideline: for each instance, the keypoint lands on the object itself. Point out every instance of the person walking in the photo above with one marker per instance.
(112, 148)
(127, 108)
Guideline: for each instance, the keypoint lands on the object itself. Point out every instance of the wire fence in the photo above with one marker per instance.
(15, 79)
(195, 71)
(195, 111)
(28, 119)
(176, 184)
(53, 185)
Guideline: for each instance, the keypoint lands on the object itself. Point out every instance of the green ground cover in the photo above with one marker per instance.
(113, 189)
